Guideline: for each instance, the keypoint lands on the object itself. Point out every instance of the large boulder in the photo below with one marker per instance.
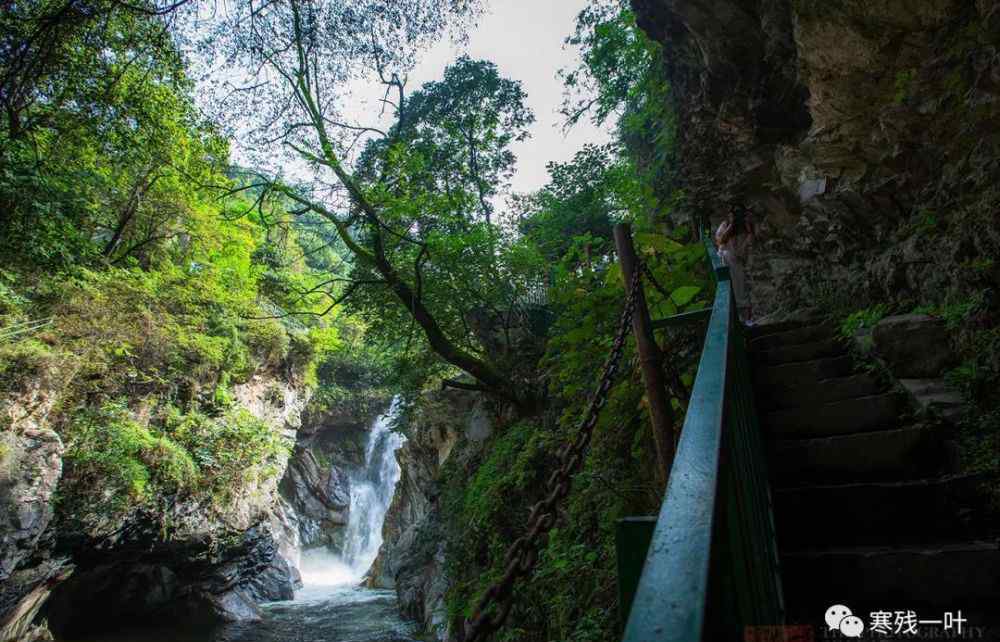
(915, 346)
(180, 559)
(319, 494)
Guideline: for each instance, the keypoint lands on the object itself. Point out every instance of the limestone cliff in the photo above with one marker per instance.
(865, 134)
(449, 426)
(207, 560)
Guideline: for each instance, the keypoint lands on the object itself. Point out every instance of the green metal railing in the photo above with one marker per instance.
(711, 566)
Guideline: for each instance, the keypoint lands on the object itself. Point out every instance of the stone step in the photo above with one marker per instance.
(805, 334)
(801, 352)
(929, 580)
(803, 374)
(861, 414)
(881, 455)
(898, 513)
(936, 396)
(812, 392)
(764, 329)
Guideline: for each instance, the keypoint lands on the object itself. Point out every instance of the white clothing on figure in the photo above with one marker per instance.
(734, 253)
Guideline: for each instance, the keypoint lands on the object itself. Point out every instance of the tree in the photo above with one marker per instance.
(413, 208)
(101, 146)
(49, 48)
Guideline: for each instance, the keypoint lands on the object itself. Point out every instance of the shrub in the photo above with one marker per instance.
(268, 340)
(866, 318)
(22, 359)
(114, 463)
(231, 451)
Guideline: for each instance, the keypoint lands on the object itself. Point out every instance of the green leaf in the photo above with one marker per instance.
(658, 242)
(684, 294)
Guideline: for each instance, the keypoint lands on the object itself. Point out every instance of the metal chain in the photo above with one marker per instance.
(523, 553)
(679, 389)
(652, 279)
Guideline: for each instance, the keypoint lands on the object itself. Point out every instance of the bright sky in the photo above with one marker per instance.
(525, 40)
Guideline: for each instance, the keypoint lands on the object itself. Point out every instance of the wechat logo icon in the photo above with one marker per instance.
(839, 618)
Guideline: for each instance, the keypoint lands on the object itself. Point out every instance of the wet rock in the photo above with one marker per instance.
(320, 496)
(237, 605)
(23, 596)
(446, 424)
(914, 346)
(30, 468)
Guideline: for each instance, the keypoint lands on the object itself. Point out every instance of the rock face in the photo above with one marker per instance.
(30, 468)
(448, 424)
(316, 485)
(214, 562)
(863, 133)
(320, 494)
(915, 346)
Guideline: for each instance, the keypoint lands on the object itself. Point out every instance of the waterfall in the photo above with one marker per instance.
(372, 488)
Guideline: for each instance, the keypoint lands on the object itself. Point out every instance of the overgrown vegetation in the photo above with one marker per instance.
(355, 258)
(572, 595)
(164, 287)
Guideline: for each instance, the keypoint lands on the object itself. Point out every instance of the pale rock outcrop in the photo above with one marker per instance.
(445, 425)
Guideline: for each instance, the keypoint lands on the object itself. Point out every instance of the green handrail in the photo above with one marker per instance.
(711, 568)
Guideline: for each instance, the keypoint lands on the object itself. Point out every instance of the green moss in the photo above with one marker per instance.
(904, 85)
(866, 318)
(572, 592)
(22, 359)
(114, 463)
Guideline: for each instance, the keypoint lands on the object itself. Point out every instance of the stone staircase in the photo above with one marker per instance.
(869, 509)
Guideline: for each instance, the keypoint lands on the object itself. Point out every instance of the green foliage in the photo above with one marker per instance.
(165, 288)
(614, 71)
(622, 74)
(866, 318)
(115, 464)
(956, 313)
(232, 451)
(571, 595)
(25, 358)
(904, 85)
(110, 162)
(354, 375)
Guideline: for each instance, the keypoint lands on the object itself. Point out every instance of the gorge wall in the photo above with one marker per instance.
(444, 428)
(187, 556)
(193, 559)
(865, 135)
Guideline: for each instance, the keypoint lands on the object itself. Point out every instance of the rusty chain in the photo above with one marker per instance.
(679, 390)
(523, 553)
(652, 279)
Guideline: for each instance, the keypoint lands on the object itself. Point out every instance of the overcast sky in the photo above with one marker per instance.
(525, 40)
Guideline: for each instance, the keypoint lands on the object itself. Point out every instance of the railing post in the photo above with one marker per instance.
(632, 536)
(650, 357)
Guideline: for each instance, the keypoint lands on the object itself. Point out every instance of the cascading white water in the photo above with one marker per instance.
(371, 493)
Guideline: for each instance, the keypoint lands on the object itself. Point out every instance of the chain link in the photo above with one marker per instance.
(680, 391)
(652, 279)
(523, 553)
